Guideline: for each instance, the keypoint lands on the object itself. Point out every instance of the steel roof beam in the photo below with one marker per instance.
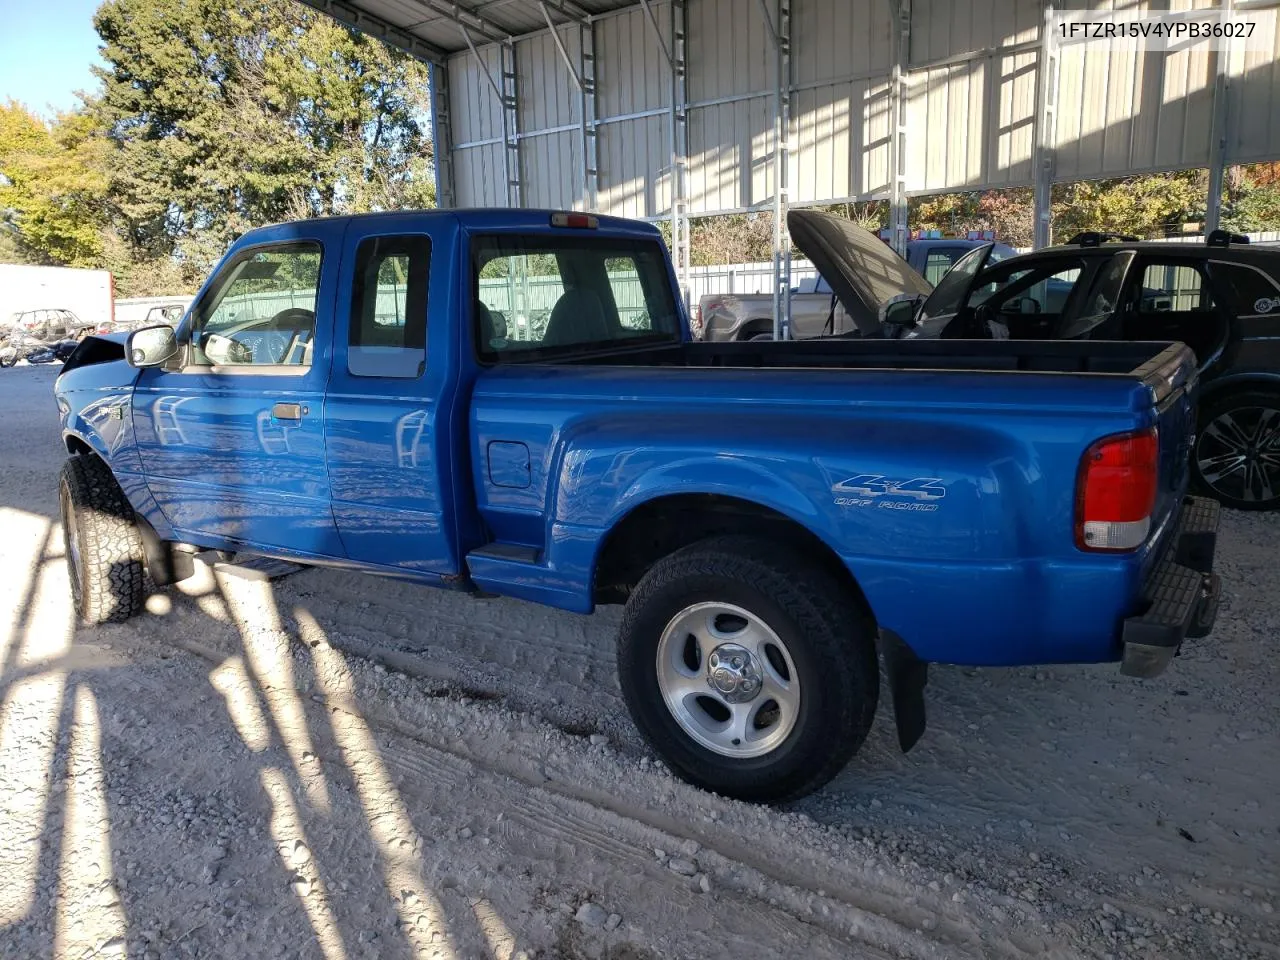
(555, 38)
(569, 10)
(376, 27)
(464, 17)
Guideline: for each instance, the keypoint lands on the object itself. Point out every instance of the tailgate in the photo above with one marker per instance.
(1173, 380)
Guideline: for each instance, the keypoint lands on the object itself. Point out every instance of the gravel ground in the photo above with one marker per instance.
(327, 765)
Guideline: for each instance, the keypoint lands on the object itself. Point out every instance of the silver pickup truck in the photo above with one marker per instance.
(816, 311)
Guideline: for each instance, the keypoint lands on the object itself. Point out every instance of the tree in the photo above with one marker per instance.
(230, 115)
(1145, 206)
(51, 187)
(1253, 198)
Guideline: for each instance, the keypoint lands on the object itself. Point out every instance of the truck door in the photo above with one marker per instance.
(386, 424)
(231, 435)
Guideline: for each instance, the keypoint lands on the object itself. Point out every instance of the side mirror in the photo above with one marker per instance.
(1023, 306)
(899, 313)
(151, 346)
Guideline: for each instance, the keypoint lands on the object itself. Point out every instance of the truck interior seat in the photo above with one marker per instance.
(577, 317)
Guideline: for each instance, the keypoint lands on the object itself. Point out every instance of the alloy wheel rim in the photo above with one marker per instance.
(71, 541)
(1238, 454)
(728, 680)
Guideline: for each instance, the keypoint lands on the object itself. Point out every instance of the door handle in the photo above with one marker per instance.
(288, 411)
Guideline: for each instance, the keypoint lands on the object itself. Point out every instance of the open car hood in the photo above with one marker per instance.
(862, 269)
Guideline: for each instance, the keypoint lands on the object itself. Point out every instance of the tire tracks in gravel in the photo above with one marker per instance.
(554, 665)
(569, 806)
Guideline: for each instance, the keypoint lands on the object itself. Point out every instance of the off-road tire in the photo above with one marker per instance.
(108, 570)
(827, 630)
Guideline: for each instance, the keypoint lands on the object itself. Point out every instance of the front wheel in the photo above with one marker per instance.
(105, 556)
(749, 668)
(1236, 459)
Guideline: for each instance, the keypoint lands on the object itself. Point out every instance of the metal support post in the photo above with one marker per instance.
(590, 142)
(583, 75)
(780, 34)
(898, 218)
(1045, 131)
(1221, 126)
(678, 116)
(679, 147)
(510, 123)
(442, 136)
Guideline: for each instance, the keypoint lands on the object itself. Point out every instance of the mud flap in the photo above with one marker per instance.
(908, 675)
(165, 565)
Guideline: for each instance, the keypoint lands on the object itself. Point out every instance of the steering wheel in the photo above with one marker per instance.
(284, 329)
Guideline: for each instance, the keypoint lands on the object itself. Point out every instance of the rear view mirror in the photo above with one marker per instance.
(899, 313)
(151, 346)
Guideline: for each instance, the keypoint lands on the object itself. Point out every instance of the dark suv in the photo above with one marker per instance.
(1220, 297)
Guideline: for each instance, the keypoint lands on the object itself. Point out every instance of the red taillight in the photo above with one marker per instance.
(1116, 491)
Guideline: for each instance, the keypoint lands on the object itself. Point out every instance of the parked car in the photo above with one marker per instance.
(48, 325)
(816, 310)
(170, 313)
(350, 392)
(1221, 298)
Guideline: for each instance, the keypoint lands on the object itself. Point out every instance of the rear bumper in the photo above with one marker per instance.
(1180, 593)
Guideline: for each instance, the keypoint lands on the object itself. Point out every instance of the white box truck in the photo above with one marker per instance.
(89, 294)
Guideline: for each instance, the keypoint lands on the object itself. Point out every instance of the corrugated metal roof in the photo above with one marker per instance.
(440, 23)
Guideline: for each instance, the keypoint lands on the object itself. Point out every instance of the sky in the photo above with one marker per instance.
(46, 49)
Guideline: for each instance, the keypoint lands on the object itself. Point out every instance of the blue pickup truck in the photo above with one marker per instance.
(778, 518)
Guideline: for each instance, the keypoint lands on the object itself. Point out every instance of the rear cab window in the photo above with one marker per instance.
(387, 335)
(541, 298)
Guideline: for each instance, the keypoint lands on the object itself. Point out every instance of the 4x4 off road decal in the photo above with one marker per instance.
(918, 494)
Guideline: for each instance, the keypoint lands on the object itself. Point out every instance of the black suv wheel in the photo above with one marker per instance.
(1237, 454)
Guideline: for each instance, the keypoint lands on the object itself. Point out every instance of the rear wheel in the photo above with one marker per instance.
(749, 668)
(105, 558)
(1236, 458)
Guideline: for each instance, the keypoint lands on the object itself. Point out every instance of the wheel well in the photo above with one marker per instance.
(659, 527)
(752, 327)
(77, 446)
(1214, 391)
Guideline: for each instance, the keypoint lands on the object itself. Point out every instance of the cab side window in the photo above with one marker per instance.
(388, 328)
(262, 312)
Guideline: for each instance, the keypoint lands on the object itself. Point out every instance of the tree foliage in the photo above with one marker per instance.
(1253, 198)
(51, 186)
(213, 117)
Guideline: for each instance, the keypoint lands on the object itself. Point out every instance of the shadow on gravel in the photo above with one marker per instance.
(155, 808)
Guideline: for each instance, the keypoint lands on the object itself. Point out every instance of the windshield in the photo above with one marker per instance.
(550, 298)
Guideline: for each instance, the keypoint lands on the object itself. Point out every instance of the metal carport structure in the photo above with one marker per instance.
(666, 109)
